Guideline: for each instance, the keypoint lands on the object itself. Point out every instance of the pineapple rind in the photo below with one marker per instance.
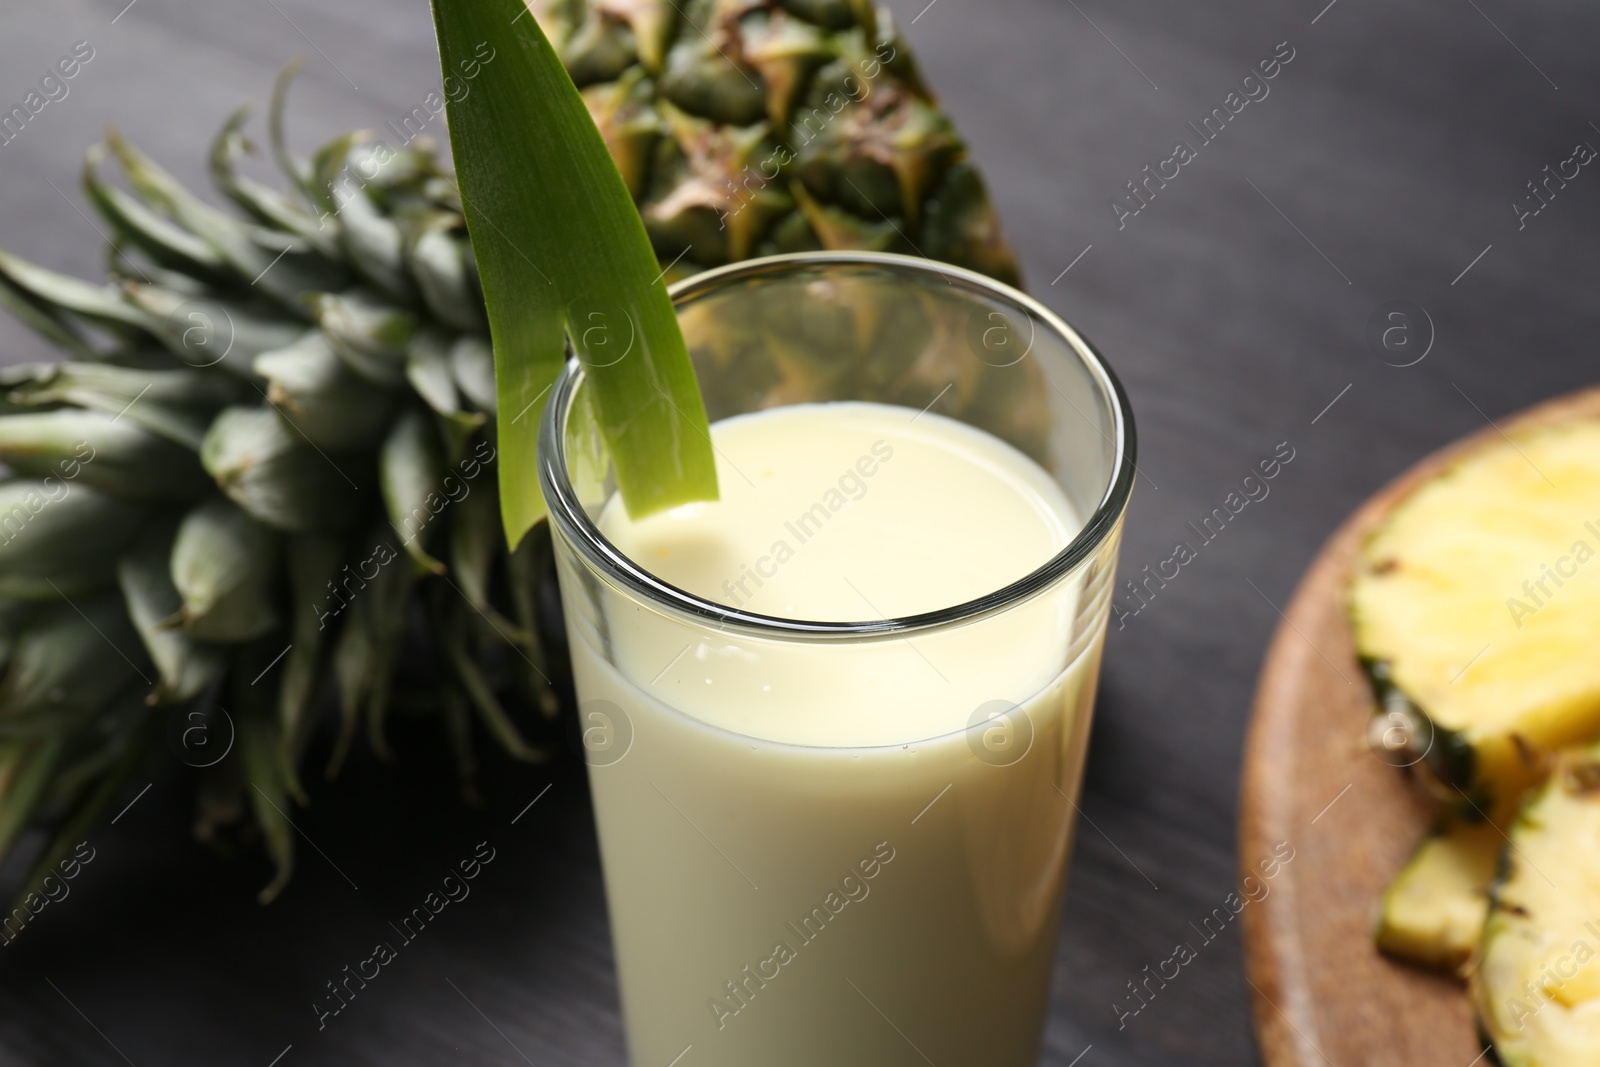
(755, 127)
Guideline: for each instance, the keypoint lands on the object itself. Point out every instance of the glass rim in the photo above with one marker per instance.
(567, 511)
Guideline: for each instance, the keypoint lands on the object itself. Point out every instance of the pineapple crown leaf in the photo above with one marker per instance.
(564, 258)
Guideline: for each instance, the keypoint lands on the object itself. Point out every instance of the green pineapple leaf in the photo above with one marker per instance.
(562, 253)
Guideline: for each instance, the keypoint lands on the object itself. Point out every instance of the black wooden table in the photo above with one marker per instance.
(1382, 165)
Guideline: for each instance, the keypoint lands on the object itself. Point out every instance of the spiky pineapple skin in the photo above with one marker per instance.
(754, 127)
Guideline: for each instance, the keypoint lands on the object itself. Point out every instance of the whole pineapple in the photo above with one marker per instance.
(266, 468)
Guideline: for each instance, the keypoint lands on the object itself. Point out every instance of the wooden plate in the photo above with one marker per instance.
(1323, 996)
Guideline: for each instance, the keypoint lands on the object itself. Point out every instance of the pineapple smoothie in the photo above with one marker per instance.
(844, 851)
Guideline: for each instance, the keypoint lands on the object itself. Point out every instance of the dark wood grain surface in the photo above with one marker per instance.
(1383, 162)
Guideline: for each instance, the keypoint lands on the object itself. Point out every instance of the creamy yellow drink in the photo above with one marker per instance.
(842, 851)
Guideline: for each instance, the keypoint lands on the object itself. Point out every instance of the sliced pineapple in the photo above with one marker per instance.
(1536, 985)
(1476, 607)
(1432, 913)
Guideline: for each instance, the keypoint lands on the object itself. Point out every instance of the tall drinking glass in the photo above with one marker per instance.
(842, 842)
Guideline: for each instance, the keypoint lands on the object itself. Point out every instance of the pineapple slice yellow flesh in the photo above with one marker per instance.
(1433, 911)
(1479, 599)
(1536, 985)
